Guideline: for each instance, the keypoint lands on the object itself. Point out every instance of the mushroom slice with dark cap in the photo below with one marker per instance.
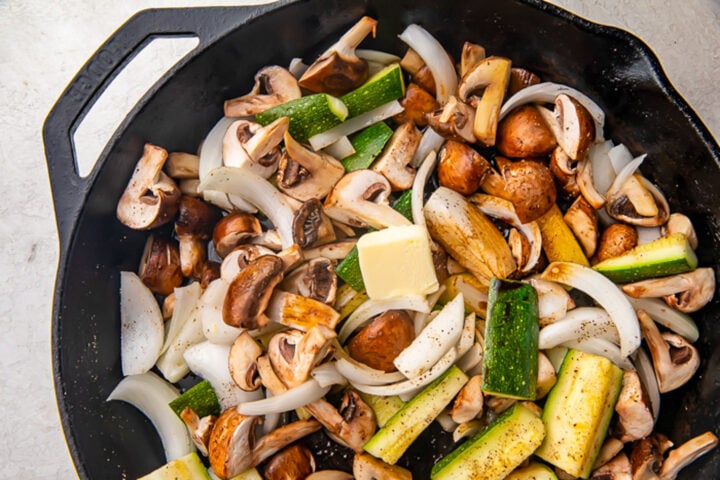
(339, 69)
(239, 258)
(250, 291)
(565, 170)
(193, 226)
(315, 279)
(615, 240)
(675, 360)
(293, 353)
(233, 230)
(160, 265)
(575, 127)
(242, 362)
(687, 292)
(311, 226)
(394, 161)
(469, 401)
(249, 145)
(525, 133)
(638, 202)
(582, 220)
(378, 343)
(454, 120)
(295, 462)
(151, 197)
(417, 103)
(200, 428)
(367, 467)
(461, 167)
(304, 174)
(277, 83)
(647, 455)
(635, 417)
(618, 468)
(352, 424)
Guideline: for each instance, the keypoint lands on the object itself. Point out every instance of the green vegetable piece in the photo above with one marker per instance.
(664, 256)
(578, 410)
(403, 204)
(189, 467)
(367, 144)
(391, 441)
(384, 407)
(200, 397)
(495, 451)
(510, 361)
(383, 87)
(308, 115)
(533, 471)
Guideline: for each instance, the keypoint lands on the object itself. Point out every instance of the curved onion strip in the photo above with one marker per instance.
(327, 375)
(422, 318)
(411, 384)
(151, 395)
(471, 359)
(467, 336)
(371, 308)
(418, 188)
(356, 372)
(307, 392)
(646, 372)
(668, 317)
(354, 124)
(435, 57)
(435, 340)
(430, 140)
(341, 148)
(619, 156)
(504, 210)
(602, 169)
(210, 309)
(578, 324)
(444, 419)
(648, 234)
(141, 326)
(553, 300)
(377, 56)
(257, 191)
(606, 294)
(625, 173)
(210, 361)
(297, 67)
(186, 299)
(271, 420)
(599, 346)
(546, 92)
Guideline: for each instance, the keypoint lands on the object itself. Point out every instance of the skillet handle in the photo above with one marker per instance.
(69, 189)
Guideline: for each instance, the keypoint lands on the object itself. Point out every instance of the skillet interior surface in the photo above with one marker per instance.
(113, 440)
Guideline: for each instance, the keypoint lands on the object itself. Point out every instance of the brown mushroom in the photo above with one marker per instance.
(525, 133)
(576, 127)
(687, 292)
(234, 229)
(565, 171)
(339, 70)
(352, 424)
(582, 219)
(151, 197)
(394, 161)
(367, 467)
(685, 454)
(315, 279)
(635, 418)
(279, 86)
(615, 240)
(239, 258)
(247, 144)
(679, 223)
(637, 202)
(610, 448)
(329, 475)
(521, 78)
(160, 265)
(300, 312)
(378, 343)
(417, 103)
(293, 353)
(461, 168)
(675, 360)
(250, 292)
(454, 120)
(618, 468)
(647, 456)
(182, 166)
(242, 362)
(193, 227)
(419, 72)
(468, 403)
(470, 55)
(200, 428)
(210, 271)
(295, 462)
(547, 377)
(311, 226)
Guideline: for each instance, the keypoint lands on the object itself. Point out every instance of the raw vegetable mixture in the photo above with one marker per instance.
(370, 244)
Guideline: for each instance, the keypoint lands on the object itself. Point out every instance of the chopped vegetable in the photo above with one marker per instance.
(200, 397)
(308, 115)
(385, 86)
(367, 144)
(189, 467)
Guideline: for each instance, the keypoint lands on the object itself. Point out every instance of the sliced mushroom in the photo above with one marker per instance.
(635, 417)
(679, 223)
(250, 292)
(295, 462)
(193, 227)
(582, 219)
(615, 240)
(686, 292)
(521, 78)
(454, 120)
(647, 456)
(637, 202)
(360, 199)
(160, 265)
(151, 197)
(181, 165)
(565, 170)
(249, 145)
(394, 161)
(311, 226)
(610, 448)
(546, 376)
(461, 167)
(316, 280)
(200, 428)
(471, 55)
(168, 306)
(419, 72)
(378, 343)
(586, 184)
(576, 131)
(352, 424)
(242, 362)
(240, 258)
(417, 103)
(492, 74)
(337, 250)
(339, 70)
(329, 475)
(300, 312)
(618, 468)
(685, 454)
(674, 359)
(525, 133)
(304, 174)
(279, 86)
(468, 403)
(367, 467)
(234, 229)
(293, 354)
(189, 186)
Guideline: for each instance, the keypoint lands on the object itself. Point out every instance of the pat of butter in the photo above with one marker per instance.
(397, 261)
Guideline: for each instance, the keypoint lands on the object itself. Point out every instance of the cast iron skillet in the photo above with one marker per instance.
(113, 440)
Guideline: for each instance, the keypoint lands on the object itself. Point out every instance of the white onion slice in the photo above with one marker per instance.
(297, 67)
(141, 326)
(271, 420)
(578, 324)
(371, 308)
(151, 395)
(257, 191)
(446, 422)
(423, 318)
(356, 372)
(341, 148)
(467, 336)
(625, 173)
(418, 188)
(602, 169)
(210, 361)
(327, 375)
(606, 294)
(668, 317)
(377, 56)
(435, 340)
(435, 57)
(553, 300)
(546, 92)
(599, 346)
(619, 156)
(186, 299)
(354, 124)
(556, 355)
(307, 392)
(471, 359)
(430, 140)
(210, 310)
(171, 363)
(647, 234)
(646, 372)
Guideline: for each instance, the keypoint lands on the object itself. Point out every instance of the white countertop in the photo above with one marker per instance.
(43, 44)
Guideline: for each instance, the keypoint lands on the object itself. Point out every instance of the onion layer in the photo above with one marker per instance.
(141, 326)
(307, 392)
(578, 324)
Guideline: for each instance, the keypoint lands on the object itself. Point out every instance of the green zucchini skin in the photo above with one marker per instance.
(200, 397)
(367, 144)
(309, 115)
(385, 86)
(510, 361)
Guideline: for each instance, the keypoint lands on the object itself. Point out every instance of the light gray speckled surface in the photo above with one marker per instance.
(43, 44)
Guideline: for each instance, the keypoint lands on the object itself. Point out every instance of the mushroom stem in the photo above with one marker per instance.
(687, 453)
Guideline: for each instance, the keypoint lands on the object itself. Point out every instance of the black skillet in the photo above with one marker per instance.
(113, 440)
